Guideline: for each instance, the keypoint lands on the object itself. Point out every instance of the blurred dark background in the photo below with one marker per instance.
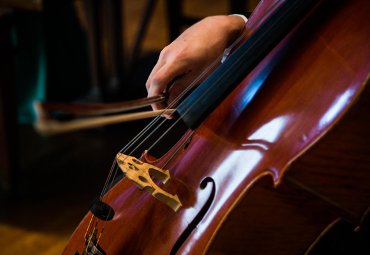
(73, 51)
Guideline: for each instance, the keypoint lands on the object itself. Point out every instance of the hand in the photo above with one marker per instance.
(193, 51)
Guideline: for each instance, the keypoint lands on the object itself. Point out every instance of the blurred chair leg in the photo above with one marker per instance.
(148, 12)
(105, 32)
(175, 18)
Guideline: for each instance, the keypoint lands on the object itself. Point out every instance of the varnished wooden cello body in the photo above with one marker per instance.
(267, 176)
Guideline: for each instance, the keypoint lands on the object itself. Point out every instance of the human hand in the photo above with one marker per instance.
(182, 61)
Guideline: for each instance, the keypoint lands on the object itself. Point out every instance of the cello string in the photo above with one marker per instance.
(207, 90)
(194, 83)
(142, 132)
(114, 169)
(204, 73)
(151, 124)
(178, 98)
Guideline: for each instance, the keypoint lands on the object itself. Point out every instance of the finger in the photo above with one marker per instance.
(175, 92)
(178, 88)
(162, 60)
(155, 69)
(164, 77)
(159, 106)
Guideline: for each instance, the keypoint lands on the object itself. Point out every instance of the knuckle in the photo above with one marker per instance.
(147, 85)
(182, 55)
(164, 52)
(156, 81)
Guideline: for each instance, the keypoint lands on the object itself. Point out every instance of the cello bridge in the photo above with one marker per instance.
(141, 174)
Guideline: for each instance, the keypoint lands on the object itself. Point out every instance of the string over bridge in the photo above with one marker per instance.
(140, 173)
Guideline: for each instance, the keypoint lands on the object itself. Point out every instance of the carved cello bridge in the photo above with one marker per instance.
(141, 174)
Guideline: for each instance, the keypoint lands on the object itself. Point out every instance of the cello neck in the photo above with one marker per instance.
(196, 107)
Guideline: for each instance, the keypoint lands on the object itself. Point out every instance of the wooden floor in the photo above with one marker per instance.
(61, 175)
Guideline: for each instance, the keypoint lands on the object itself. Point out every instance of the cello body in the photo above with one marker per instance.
(270, 177)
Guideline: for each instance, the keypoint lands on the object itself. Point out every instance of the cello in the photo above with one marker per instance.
(276, 151)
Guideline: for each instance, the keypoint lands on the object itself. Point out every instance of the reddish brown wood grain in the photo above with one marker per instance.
(294, 131)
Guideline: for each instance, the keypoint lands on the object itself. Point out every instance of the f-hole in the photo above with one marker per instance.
(203, 185)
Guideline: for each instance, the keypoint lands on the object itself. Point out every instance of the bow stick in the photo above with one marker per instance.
(46, 125)
(90, 109)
